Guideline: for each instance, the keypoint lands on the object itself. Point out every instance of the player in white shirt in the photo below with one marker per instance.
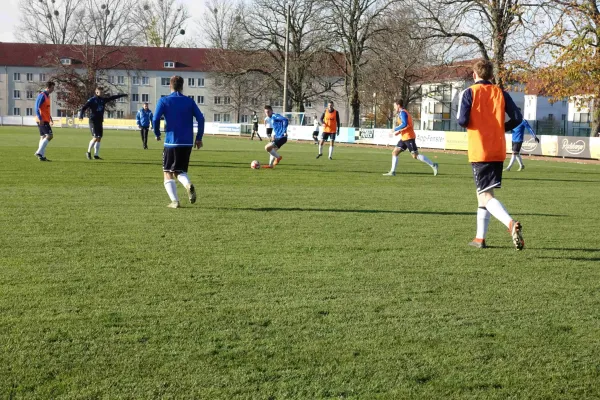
(269, 127)
(316, 125)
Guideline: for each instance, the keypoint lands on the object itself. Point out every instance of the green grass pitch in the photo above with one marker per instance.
(316, 280)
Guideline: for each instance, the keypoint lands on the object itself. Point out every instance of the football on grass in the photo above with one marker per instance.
(255, 164)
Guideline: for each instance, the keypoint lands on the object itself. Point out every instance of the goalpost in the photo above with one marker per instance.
(294, 117)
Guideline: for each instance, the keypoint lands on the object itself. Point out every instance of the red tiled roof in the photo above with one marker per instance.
(442, 73)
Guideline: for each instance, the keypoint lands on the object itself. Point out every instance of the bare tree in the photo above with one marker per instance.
(222, 25)
(160, 22)
(107, 23)
(46, 21)
(353, 24)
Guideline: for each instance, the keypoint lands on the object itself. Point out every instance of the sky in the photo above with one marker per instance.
(9, 18)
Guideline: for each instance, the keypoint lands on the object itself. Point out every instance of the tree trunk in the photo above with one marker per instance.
(355, 100)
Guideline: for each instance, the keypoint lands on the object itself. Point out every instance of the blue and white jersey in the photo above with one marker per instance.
(179, 112)
(518, 134)
(279, 124)
(144, 118)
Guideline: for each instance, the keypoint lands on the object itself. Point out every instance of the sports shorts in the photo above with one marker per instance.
(327, 135)
(97, 129)
(45, 128)
(278, 142)
(516, 147)
(409, 144)
(176, 159)
(487, 175)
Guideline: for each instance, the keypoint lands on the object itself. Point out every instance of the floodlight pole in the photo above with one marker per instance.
(374, 110)
(287, 45)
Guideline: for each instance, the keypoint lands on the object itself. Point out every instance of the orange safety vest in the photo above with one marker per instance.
(407, 132)
(485, 130)
(44, 109)
(330, 121)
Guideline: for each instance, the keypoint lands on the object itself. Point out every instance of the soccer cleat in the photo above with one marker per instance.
(266, 166)
(391, 173)
(516, 231)
(319, 155)
(506, 169)
(97, 158)
(478, 243)
(88, 155)
(191, 190)
(39, 156)
(331, 158)
(521, 168)
(277, 160)
(435, 169)
(42, 158)
(173, 204)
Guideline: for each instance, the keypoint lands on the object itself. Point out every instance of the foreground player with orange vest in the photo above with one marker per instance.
(481, 110)
(331, 127)
(43, 118)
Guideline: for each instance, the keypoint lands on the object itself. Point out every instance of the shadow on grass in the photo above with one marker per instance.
(548, 180)
(595, 259)
(569, 249)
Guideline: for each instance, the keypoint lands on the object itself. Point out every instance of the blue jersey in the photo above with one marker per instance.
(179, 112)
(518, 134)
(97, 105)
(144, 118)
(280, 125)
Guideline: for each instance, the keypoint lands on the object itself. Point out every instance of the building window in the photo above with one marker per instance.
(121, 100)
(245, 119)
(42, 77)
(145, 80)
(145, 98)
(216, 117)
(121, 80)
(226, 100)
(17, 76)
(191, 97)
(564, 103)
(29, 94)
(65, 61)
(308, 104)
(135, 97)
(200, 82)
(165, 81)
(254, 102)
(581, 117)
(550, 116)
(200, 100)
(16, 94)
(110, 114)
(16, 111)
(325, 103)
(191, 82)
(29, 77)
(120, 114)
(61, 113)
(29, 111)
(227, 117)
(135, 80)
(217, 100)
(169, 64)
(564, 117)
(111, 79)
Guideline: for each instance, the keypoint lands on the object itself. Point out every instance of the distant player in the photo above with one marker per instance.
(255, 126)
(179, 112)
(280, 125)
(518, 134)
(407, 134)
(43, 118)
(316, 125)
(144, 119)
(97, 105)
(331, 127)
(482, 108)
(268, 127)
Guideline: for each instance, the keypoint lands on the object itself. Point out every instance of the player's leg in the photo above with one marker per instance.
(331, 146)
(315, 136)
(324, 138)
(400, 147)
(414, 151)
(515, 150)
(45, 138)
(182, 161)
(92, 143)
(169, 164)
(146, 131)
(278, 144)
(518, 156)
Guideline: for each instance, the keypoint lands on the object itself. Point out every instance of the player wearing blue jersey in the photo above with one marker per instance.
(144, 119)
(179, 112)
(518, 135)
(280, 125)
(97, 105)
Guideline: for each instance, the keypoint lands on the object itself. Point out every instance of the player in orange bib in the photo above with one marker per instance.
(43, 117)
(482, 109)
(331, 127)
(407, 139)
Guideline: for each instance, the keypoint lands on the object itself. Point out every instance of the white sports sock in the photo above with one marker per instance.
(498, 211)
(320, 148)
(512, 161)
(42, 149)
(520, 160)
(97, 149)
(330, 151)
(483, 221)
(171, 187)
(184, 179)
(274, 153)
(394, 163)
(92, 142)
(424, 159)
(271, 159)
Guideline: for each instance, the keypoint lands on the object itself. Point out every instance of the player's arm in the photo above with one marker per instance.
(38, 104)
(138, 118)
(84, 108)
(322, 119)
(465, 102)
(156, 120)
(530, 129)
(151, 118)
(115, 97)
(337, 120)
(200, 119)
(513, 113)
(403, 122)
(284, 123)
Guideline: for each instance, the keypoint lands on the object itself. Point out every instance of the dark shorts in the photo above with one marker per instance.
(326, 136)
(409, 144)
(487, 175)
(45, 128)
(255, 127)
(269, 132)
(176, 159)
(97, 129)
(280, 142)
(517, 147)
(315, 133)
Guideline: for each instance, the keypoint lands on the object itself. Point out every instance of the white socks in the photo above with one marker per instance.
(330, 151)
(320, 148)
(42, 149)
(91, 145)
(271, 159)
(483, 221)
(394, 163)
(184, 180)
(171, 187)
(274, 155)
(499, 212)
(424, 159)
(520, 160)
(97, 148)
(512, 161)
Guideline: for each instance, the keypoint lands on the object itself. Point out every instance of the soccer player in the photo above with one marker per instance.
(144, 118)
(268, 127)
(255, 126)
(407, 134)
(482, 108)
(280, 125)
(331, 126)
(97, 105)
(179, 112)
(43, 118)
(518, 135)
(316, 125)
